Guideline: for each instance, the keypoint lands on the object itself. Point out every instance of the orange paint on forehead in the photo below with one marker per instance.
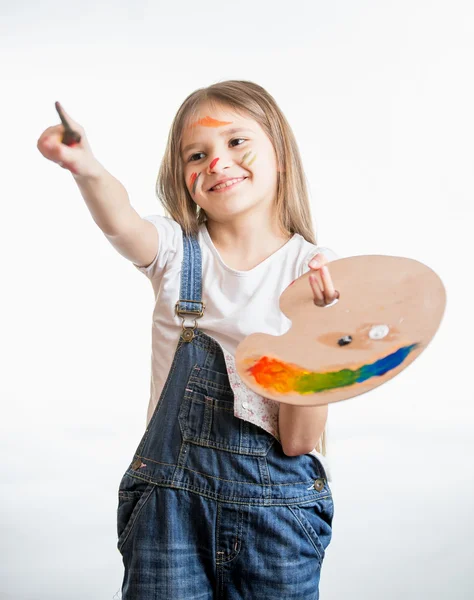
(210, 122)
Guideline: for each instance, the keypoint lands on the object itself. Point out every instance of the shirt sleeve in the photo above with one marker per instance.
(170, 239)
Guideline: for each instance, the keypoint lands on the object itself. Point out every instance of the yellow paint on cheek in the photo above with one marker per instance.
(246, 156)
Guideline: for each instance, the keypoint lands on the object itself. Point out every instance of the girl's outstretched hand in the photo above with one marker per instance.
(321, 282)
(77, 157)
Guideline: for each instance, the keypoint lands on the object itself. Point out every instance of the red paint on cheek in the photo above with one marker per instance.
(193, 179)
(213, 163)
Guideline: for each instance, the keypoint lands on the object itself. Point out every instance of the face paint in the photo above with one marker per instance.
(213, 164)
(281, 377)
(194, 179)
(210, 122)
(246, 156)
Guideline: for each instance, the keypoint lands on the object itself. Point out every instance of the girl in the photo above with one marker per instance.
(227, 493)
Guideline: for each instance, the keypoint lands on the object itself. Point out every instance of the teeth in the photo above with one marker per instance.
(227, 183)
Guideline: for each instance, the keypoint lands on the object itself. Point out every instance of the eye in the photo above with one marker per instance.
(237, 140)
(191, 158)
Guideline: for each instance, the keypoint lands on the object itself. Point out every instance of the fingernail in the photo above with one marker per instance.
(314, 263)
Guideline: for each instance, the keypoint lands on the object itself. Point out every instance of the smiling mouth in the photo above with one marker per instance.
(222, 187)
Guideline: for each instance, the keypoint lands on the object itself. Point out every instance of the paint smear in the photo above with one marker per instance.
(246, 155)
(210, 122)
(213, 164)
(194, 181)
(284, 378)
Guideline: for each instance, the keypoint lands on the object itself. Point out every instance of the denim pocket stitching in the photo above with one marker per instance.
(132, 519)
(308, 530)
(211, 384)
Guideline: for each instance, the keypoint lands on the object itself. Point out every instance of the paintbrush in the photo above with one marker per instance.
(70, 137)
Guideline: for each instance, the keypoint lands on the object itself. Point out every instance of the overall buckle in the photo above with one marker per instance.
(187, 334)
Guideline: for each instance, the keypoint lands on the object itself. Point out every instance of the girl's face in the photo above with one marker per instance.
(230, 166)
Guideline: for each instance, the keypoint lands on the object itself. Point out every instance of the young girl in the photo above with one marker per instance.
(227, 493)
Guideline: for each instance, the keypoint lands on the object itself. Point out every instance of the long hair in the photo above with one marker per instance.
(249, 99)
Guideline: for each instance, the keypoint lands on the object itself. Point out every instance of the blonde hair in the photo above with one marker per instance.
(247, 98)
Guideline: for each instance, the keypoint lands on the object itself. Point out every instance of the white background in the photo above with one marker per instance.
(380, 96)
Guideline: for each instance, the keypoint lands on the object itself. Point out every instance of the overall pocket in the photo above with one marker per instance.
(132, 497)
(206, 416)
(314, 520)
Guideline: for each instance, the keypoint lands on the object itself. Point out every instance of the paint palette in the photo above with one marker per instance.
(388, 311)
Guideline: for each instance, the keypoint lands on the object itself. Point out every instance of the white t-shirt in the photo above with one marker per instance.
(237, 304)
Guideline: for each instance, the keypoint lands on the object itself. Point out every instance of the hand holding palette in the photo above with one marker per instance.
(388, 311)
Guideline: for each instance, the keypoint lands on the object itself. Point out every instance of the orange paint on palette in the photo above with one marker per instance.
(210, 122)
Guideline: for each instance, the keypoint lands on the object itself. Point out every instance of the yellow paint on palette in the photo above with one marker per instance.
(210, 122)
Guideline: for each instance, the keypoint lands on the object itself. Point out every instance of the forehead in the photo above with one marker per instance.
(212, 119)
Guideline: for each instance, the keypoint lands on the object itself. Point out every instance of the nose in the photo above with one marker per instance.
(217, 165)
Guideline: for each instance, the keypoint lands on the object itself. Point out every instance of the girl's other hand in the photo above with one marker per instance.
(77, 158)
(321, 282)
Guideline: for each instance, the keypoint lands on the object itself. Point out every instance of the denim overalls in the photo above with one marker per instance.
(211, 507)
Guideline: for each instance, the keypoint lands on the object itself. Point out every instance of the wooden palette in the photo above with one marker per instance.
(388, 311)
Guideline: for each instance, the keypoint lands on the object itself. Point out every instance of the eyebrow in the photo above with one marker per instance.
(222, 133)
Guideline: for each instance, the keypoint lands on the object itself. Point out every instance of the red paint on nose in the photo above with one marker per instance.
(213, 163)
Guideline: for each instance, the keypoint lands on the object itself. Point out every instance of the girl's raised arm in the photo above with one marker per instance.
(106, 198)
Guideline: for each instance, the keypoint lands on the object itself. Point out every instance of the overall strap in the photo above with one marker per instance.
(189, 302)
